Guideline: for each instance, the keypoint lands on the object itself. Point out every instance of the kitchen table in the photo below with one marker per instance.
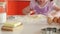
(29, 27)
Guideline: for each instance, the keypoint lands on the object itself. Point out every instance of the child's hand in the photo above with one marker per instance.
(54, 13)
(32, 12)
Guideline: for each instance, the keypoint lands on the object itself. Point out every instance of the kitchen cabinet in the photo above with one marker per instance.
(2, 0)
(18, 0)
(15, 6)
(12, 6)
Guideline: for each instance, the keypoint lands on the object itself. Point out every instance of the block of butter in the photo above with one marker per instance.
(11, 26)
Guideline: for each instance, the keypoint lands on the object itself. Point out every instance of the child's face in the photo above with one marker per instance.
(41, 1)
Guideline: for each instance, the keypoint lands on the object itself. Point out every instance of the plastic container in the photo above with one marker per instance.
(54, 30)
(48, 31)
(2, 12)
(58, 31)
(43, 31)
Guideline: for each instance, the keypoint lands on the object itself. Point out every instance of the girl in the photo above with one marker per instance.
(41, 7)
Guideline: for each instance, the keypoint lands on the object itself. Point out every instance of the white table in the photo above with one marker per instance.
(29, 28)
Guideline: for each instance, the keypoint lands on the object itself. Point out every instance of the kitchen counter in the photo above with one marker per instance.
(31, 27)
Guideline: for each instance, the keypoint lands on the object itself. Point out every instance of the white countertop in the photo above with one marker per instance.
(29, 28)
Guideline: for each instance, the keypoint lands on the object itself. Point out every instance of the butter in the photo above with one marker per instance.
(12, 24)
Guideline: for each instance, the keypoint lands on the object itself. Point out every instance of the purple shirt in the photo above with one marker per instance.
(44, 10)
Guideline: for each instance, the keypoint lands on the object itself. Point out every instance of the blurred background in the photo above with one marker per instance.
(14, 7)
(57, 2)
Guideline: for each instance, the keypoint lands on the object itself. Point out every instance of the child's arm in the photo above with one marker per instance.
(26, 10)
(56, 8)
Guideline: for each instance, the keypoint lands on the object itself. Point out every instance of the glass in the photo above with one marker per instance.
(2, 12)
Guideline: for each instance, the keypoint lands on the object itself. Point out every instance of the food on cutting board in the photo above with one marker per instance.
(10, 26)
